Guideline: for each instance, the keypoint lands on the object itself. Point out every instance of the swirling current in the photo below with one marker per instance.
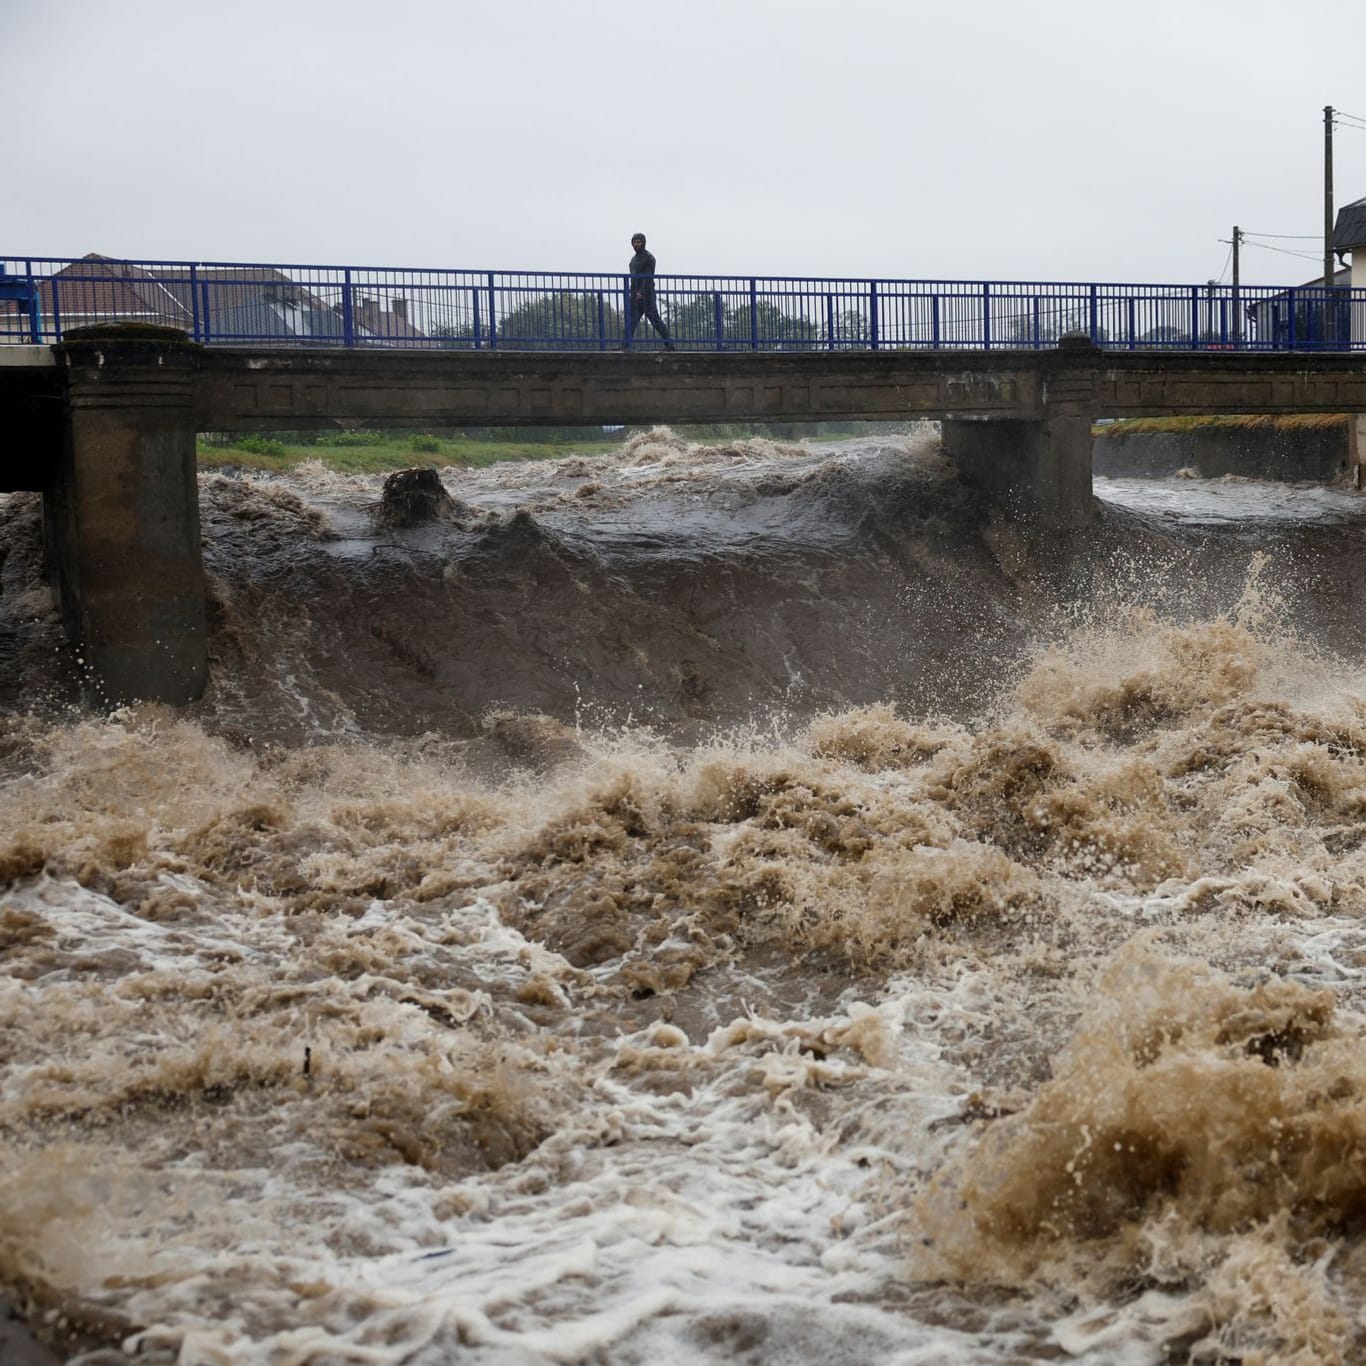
(700, 904)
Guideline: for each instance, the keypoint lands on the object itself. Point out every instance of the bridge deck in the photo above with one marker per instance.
(242, 389)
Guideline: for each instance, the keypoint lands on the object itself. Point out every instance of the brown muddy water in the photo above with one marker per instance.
(700, 906)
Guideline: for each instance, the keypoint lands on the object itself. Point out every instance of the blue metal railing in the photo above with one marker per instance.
(222, 303)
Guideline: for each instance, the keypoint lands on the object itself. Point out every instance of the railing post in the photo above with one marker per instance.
(493, 315)
(1292, 335)
(719, 319)
(874, 330)
(348, 311)
(753, 315)
(1195, 317)
(1132, 312)
(936, 329)
(829, 323)
(194, 302)
(35, 315)
(986, 316)
(56, 310)
(602, 322)
(1094, 327)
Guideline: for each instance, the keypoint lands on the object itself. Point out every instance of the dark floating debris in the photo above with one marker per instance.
(414, 498)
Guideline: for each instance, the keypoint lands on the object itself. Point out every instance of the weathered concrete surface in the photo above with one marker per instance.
(1313, 454)
(243, 390)
(1038, 473)
(1195, 383)
(121, 518)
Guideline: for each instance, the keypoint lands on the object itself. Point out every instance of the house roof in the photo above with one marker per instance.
(223, 302)
(389, 323)
(1350, 229)
(97, 288)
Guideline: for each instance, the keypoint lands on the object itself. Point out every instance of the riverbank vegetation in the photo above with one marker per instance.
(1225, 422)
(377, 452)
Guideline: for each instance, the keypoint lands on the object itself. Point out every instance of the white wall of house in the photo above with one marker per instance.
(1358, 281)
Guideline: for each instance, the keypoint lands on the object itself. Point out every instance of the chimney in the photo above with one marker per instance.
(367, 311)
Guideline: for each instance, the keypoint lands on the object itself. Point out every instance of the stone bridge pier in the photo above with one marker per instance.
(1036, 471)
(121, 518)
(1035, 468)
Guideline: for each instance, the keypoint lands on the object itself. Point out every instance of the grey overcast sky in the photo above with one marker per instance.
(941, 139)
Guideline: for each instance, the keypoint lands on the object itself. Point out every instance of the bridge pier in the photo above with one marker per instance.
(1037, 471)
(121, 517)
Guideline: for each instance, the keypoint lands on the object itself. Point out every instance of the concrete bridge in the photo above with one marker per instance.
(104, 425)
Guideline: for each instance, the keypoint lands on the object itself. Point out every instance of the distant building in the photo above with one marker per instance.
(218, 304)
(1294, 319)
(1349, 239)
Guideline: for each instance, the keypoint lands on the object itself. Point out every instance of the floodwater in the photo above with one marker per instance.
(700, 905)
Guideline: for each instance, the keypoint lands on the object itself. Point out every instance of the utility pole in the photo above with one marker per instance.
(1237, 301)
(1327, 195)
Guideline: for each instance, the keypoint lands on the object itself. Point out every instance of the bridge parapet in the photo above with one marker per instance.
(242, 389)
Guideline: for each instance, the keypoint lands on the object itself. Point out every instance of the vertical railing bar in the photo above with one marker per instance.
(206, 316)
(194, 301)
(986, 315)
(493, 315)
(935, 321)
(35, 314)
(753, 314)
(348, 314)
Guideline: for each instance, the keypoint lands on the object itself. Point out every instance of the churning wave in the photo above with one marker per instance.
(700, 904)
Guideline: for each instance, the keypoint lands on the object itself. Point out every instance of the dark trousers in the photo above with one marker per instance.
(644, 306)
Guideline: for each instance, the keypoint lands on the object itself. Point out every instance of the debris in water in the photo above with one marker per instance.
(413, 498)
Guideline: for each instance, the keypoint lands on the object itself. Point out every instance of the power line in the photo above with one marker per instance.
(1351, 120)
(1304, 255)
(1288, 236)
(1227, 260)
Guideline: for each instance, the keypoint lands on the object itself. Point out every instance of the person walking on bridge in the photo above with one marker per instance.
(641, 294)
